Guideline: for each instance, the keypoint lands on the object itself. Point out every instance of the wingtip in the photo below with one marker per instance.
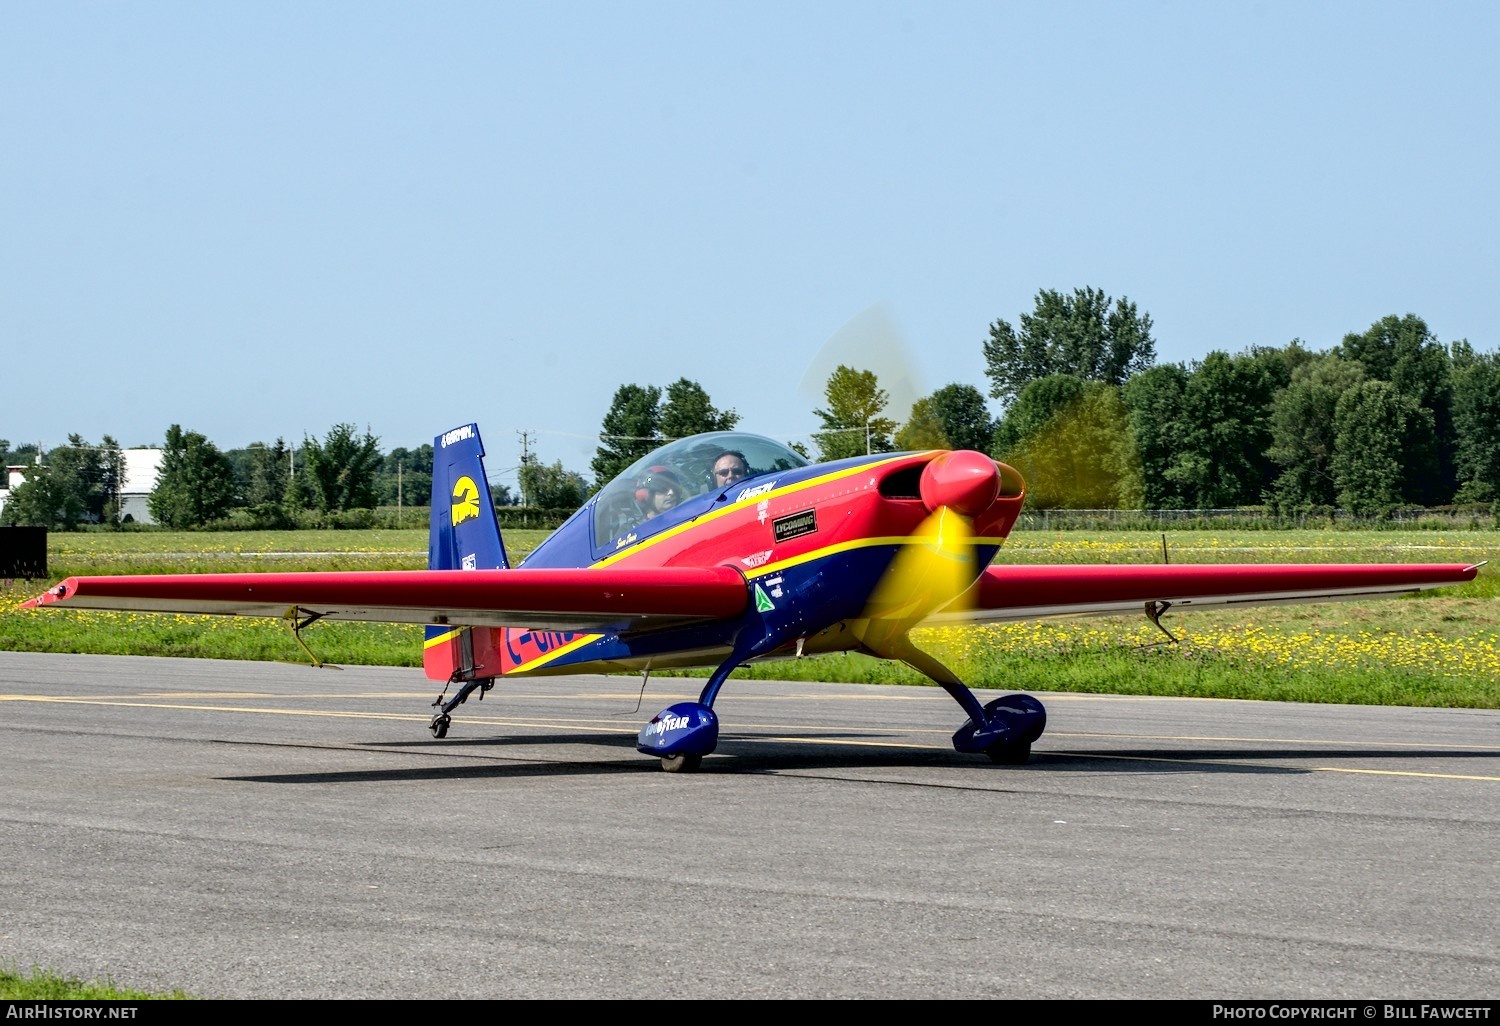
(54, 594)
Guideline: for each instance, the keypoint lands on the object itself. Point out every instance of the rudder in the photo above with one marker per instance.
(464, 535)
(464, 532)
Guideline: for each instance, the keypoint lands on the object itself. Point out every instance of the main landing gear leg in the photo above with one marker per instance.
(1004, 729)
(443, 718)
(682, 734)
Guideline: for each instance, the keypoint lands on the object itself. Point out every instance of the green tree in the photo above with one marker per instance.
(342, 468)
(196, 484)
(270, 467)
(631, 429)
(405, 477)
(964, 416)
(34, 502)
(1081, 455)
(1476, 423)
(300, 488)
(1031, 411)
(688, 411)
(1372, 419)
(1224, 432)
(1304, 431)
(1157, 401)
(1404, 352)
(22, 455)
(73, 484)
(853, 424)
(923, 429)
(552, 487)
(1087, 335)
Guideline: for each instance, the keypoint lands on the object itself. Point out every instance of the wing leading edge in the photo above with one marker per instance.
(562, 600)
(1031, 592)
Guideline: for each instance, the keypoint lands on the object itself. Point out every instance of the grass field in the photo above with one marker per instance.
(1441, 648)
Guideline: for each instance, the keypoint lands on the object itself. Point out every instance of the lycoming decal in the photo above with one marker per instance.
(795, 526)
(458, 435)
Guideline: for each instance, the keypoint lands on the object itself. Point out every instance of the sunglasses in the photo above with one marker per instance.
(728, 472)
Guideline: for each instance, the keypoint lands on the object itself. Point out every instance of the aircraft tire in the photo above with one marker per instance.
(1015, 753)
(681, 763)
(439, 725)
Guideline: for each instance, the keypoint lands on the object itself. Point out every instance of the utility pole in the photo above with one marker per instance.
(525, 459)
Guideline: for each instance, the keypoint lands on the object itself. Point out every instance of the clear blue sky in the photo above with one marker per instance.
(262, 219)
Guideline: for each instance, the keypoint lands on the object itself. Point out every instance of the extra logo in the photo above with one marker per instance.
(795, 526)
(754, 490)
(465, 500)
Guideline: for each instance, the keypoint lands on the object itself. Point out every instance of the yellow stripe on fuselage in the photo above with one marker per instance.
(791, 489)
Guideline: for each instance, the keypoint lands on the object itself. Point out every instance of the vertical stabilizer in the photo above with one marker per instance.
(465, 534)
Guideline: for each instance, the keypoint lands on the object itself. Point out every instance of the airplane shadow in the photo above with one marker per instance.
(1230, 760)
(741, 754)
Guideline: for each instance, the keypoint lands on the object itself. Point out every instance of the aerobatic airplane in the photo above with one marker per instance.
(728, 548)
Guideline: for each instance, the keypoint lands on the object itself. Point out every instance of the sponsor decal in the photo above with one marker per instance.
(629, 539)
(760, 509)
(471, 562)
(662, 724)
(762, 603)
(774, 583)
(795, 526)
(759, 559)
(754, 490)
(465, 500)
(462, 434)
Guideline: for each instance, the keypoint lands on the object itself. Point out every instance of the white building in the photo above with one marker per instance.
(142, 468)
(13, 477)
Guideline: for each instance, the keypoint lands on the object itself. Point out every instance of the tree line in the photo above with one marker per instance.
(1390, 417)
(337, 481)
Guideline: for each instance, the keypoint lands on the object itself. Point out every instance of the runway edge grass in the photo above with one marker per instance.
(1440, 648)
(48, 985)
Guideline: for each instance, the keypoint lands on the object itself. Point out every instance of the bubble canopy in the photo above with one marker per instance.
(687, 466)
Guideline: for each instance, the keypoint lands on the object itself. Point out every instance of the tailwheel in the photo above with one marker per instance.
(681, 763)
(439, 725)
(1009, 753)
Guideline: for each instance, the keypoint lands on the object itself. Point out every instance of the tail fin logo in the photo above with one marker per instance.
(465, 500)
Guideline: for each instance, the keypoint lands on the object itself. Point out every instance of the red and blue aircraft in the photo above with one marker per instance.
(679, 562)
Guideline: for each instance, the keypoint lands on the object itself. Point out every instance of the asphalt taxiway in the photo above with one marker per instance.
(260, 830)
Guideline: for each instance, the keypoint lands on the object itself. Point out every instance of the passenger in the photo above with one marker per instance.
(659, 491)
(731, 466)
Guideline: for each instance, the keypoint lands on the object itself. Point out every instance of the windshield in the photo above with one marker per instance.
(678, 471)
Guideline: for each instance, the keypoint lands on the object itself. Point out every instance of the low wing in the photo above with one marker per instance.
(592, 600)
(1031, 592)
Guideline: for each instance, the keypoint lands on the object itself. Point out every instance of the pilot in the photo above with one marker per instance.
(731, 466)
(659, 491)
